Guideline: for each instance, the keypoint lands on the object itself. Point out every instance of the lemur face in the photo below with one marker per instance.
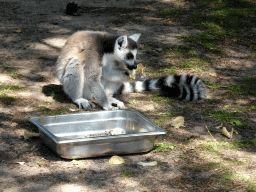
(126, 50)
(130, 59)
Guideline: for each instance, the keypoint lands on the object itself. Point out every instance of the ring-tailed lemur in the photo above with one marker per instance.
(97, 65)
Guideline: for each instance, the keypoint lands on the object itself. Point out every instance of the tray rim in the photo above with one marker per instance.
(35, 121)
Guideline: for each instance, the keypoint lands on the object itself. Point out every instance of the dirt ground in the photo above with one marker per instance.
(32, 33)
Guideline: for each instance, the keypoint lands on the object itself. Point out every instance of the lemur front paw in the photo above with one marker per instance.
(120, 105)
(115, 106)
(84, 103)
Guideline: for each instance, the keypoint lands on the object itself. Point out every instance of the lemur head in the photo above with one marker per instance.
(126, 50)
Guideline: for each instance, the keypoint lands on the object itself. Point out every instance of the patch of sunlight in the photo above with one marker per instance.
(4, 78)
(34, 95)
(24, 108)
(40, 46)
(55, 42)
(69, 187)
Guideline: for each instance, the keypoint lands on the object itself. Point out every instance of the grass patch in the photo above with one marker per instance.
(244, 88)
(243, 144)
(161, 100)
(7, 98)
(211, 148)
(185, 57)
(205, 167)
(237, 145)
(252, 108)
(156, 73)
(82, 170)
(173, 12)
(134, 102)
(223, 18)
(212, 85)
(5, 89)
(128, 174)
(15, 75)
(195, 64)
(12, 72)
(224, 170)
(172, 70)
(181, 156)
(226, 177)
(8, 68)
(236, 162)
(164, 116)
(176, 50)
(43, 57)
(160, 147)
(43, 108)
(225, 116)
(208, 40)
(252, 55)
(116, 21)
(50, 112)
(10, 87)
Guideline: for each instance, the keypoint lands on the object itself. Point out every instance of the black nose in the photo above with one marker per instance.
(131, 67)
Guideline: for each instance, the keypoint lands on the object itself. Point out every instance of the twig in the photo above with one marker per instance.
(208, 129)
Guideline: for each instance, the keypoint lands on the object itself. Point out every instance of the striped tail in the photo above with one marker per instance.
(182, 87)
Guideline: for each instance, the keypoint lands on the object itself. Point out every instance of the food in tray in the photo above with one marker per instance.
(107, 133)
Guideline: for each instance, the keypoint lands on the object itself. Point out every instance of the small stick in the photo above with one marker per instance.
(208, 129)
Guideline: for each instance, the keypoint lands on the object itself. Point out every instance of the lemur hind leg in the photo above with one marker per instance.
(73, 84)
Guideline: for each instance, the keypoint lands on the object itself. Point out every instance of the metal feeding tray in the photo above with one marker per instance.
(93, 134)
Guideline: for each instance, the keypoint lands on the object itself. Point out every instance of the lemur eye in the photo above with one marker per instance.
(129, 56)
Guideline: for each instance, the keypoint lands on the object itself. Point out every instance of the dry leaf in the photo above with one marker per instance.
(213, 74)
(177, 122)
(226, 133)
(21, 163)
(235, 131)
(17, 31)
(70, 109)
(144, 164)
(133, 74)
(219, 126)
(116, 160)
(28, 134)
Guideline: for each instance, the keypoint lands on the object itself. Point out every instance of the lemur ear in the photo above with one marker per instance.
(122, 42)
(135, 37)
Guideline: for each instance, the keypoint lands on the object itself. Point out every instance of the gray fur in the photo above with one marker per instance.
(94, 65)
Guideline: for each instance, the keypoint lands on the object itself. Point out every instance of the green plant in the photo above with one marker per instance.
(225, 116)
(15, 75)
(8, 68)
(10, 87)
(221, 20)
(160, 147)
(166, 115)
(181, 156)
(82, 170)
(173, 12)
(161, 100)
(5, 97)
(43, 57)
(128, 174)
